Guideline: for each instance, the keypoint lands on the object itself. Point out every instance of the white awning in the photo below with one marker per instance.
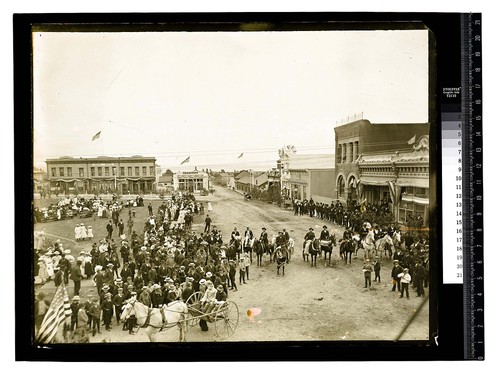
(415, 182)
(414, 199)
(374, 181)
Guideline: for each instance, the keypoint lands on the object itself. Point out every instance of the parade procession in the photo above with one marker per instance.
(232, 187)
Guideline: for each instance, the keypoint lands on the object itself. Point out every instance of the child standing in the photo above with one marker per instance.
(242, 268)
(367, 271)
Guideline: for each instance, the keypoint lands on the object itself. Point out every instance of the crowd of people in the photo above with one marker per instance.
(352, 215)
(168, 261)
(164, 262)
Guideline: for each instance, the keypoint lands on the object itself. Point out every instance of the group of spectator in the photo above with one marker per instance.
(166, 262)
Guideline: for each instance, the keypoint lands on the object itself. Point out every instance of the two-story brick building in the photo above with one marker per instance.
(72, 175)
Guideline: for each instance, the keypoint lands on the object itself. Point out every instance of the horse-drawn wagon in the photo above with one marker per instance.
(225, 316)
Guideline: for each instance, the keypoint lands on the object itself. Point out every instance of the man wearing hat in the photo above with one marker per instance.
(104, 290)
(396, 270)
(186, 288)
(325, 234)
(263, 238)
(221, 294)
(405, 283)
(75, 307)
(232, 275)
(107, 310)
(65, 266)
(95, 314)
(310, 236)
(376, 268)
(58, 276)
(170, 294)
(76, 276)
(131, 320)
(118, 300)
(157, 296)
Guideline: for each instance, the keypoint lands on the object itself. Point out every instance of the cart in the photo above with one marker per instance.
(225, 315)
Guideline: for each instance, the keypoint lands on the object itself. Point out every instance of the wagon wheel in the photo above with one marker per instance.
(226, 319)
(193, 302)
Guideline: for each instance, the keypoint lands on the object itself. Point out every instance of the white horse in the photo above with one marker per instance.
(154, 320)
(380, 246)
(248, 246)
(396, 238)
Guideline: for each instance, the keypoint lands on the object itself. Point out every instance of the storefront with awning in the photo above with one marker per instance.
(400, 178)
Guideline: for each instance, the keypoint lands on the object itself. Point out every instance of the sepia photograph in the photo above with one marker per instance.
(242, 184)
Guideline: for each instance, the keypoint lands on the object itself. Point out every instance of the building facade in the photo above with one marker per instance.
(402, 178)
(122, 175)
(384, 162)
(191, 181)
(361, 138)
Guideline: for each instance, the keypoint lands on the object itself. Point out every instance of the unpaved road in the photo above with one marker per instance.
(308, 303)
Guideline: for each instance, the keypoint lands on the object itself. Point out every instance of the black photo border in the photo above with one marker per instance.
(446, 341)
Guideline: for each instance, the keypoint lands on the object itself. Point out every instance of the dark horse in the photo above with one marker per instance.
(327, 247)
(347, 247)
(259, 248)
(235, 246)
(312, 248)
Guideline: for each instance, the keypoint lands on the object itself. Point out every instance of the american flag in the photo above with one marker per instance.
(59, 311)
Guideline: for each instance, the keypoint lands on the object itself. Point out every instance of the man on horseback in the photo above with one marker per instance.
(326, 243)
(310, 236)
(279, 243)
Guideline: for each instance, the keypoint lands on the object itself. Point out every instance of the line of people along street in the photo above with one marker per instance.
(168, 261)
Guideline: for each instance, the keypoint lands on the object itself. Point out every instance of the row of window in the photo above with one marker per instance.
(103, 171)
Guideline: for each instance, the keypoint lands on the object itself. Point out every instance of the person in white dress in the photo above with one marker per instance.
(210, 209)
(83, 232)
(90, 233)
(78, 233)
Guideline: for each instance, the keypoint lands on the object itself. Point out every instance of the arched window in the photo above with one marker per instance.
(340, 186)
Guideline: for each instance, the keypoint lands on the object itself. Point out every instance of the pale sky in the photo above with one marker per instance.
(213, 96)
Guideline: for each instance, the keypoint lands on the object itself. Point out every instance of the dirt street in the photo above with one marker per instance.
(308, 303)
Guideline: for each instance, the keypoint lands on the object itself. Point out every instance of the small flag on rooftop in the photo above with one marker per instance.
(241, 155)
(186, 160)
(96, 136)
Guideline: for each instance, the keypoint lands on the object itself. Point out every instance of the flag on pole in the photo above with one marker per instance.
(96, 136)
(186, 160)
(412, 140)
(239, 157)
(59, 311)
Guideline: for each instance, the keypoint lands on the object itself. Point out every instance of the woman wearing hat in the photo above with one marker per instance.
(209, 298)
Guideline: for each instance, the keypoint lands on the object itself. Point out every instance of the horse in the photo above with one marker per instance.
(154, 320)
(248, 245)
(396, 238)
(347, 247)
(236, 244)
(273, 248)
(386, 244)
(327, 247)
(259, 248)
(368, 245)
(311, 247)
